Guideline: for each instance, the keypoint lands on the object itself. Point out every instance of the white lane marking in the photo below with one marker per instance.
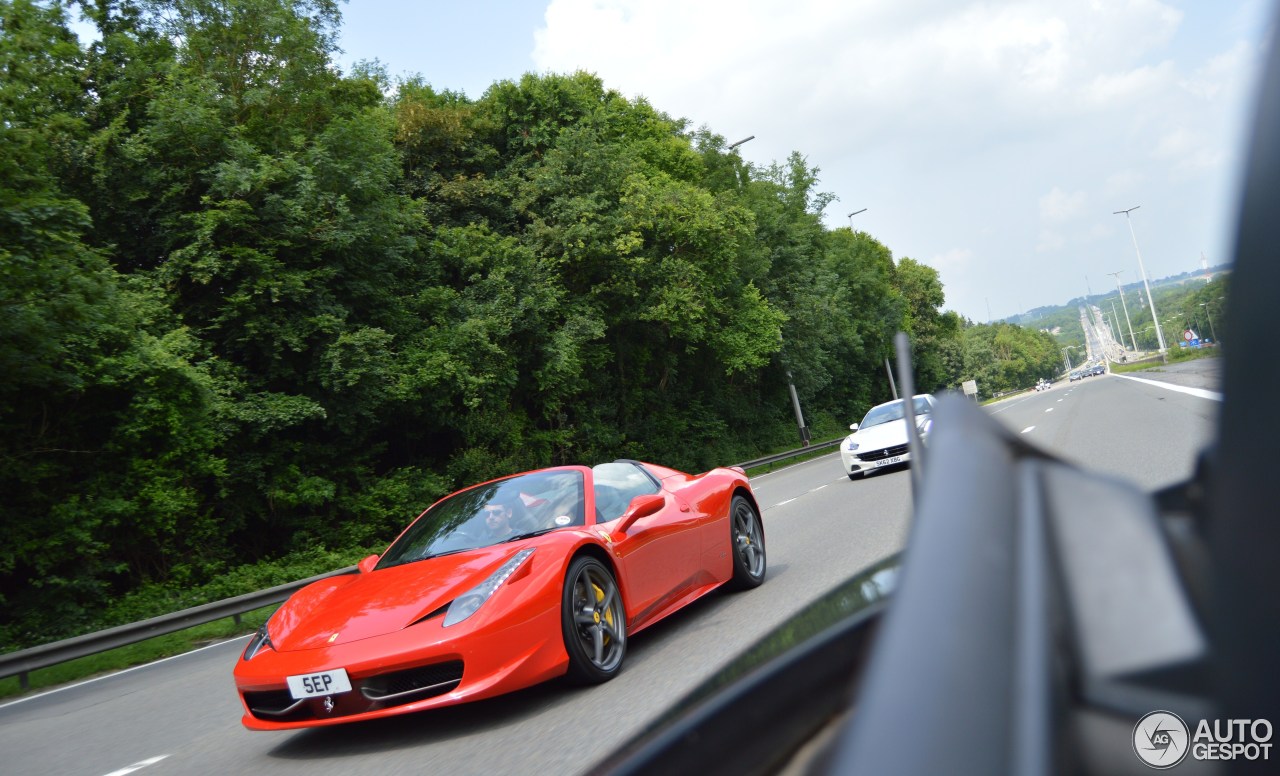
(1009, 404)
(1025, 430)
(783, 503)
(137, 766)
(1197, 392)
(820, 487)
(1049, 410)
(1059, 401)
(121, 671)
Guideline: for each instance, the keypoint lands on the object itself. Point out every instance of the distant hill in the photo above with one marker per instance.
(1063, 321)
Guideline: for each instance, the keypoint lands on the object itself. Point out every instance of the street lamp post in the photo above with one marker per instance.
(1208, 315)
(795, 398)
(1132, 340)
(733, 147)
(1143, 270)
(887, 369)
(795, 405)
(1067, 358)
(1113, 325)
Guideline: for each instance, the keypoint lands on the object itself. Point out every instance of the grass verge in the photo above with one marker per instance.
(1175, 355)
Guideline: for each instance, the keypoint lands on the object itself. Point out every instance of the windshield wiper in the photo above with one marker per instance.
(431, 555)
(524, 535)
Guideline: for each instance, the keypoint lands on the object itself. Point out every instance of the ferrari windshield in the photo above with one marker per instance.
(496, 512)
(886, 413)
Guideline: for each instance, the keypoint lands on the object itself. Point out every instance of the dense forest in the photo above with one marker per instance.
(1194, 304)
(253, 307)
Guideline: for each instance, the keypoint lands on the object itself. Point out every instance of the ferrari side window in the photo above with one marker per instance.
(615, 484)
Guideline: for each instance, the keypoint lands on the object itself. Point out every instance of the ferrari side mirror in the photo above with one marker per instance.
(367, 564)
(641, 506)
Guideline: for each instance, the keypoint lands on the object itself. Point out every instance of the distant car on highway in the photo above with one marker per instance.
(1043, 385)
(1097, 369)
(880, 440)
(1076, 375)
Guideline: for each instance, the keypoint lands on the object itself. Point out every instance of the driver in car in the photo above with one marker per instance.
(499, 517)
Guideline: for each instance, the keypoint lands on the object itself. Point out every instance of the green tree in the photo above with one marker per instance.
(105, 428)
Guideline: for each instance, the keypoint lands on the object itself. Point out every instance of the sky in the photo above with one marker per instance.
(990, 140)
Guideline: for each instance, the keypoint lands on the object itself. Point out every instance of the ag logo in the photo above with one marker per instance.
(1161, 739)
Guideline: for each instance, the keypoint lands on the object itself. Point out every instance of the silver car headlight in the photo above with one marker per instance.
(851, 445)
(470, 602)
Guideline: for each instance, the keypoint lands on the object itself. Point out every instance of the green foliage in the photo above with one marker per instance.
(256, 312)
(154, 599)
(1003, 357)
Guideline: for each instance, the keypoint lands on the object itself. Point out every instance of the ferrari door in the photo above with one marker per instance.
(659, 552)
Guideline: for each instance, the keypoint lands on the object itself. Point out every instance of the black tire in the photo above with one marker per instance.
(747, 535)
(594, 622)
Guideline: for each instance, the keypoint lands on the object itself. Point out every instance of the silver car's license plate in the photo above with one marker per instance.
(319, 683)
(889, 461)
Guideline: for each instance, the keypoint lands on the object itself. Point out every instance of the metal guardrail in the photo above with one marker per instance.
(22, 662)
(778, 457)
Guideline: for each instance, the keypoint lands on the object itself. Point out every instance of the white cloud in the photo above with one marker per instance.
(1114, 89)
(953, 260)
(1059, 205)
(950, 120)
(1122, 182)
(1050, 242)
(1222, 72)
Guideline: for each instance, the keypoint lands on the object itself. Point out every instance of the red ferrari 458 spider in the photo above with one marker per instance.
(501, 586)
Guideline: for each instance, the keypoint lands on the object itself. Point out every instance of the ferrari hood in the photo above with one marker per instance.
(879, 437)
(358, 606)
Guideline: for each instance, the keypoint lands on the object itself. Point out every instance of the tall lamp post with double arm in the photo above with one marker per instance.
(1132, 340)
(1150, 302)
(1066, 358)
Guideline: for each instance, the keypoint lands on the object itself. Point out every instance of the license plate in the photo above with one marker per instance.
(889, 461)
(319, 683)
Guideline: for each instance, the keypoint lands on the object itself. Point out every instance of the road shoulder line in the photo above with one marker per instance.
(1198, 392)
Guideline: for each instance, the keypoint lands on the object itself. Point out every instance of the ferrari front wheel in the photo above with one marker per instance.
(594, 622)
(748, 544)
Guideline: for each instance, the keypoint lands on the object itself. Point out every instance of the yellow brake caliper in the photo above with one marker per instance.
(608, 613)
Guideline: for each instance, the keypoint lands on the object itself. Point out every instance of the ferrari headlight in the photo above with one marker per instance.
(260, 639)
(470, 602)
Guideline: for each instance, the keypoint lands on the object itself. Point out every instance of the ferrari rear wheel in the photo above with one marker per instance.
(594, 621)
(748, 544)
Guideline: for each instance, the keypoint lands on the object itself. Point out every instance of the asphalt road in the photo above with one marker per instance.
(821, 528)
